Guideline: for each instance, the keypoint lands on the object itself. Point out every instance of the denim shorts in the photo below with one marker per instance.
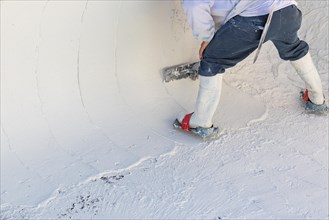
(240, 36)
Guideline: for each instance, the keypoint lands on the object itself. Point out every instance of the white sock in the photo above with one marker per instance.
(207, 101)
(309, 74)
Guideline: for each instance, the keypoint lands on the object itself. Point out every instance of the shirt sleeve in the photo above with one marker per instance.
(198, 14)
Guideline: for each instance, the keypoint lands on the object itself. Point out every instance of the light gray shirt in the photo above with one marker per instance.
(207, 16)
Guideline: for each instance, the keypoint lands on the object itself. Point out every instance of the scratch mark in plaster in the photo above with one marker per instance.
(116, 52)
(84, 11)
(37, 80)
(8, 140)
(118, 80)
(79, 78)
(37, 52)
(102, 132)
(78, 59)
(78, 68)
(36, 71)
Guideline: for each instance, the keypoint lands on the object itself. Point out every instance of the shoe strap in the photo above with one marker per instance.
(305, 96)
(186, 122)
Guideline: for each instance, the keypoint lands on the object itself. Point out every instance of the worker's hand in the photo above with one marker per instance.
(204, 45)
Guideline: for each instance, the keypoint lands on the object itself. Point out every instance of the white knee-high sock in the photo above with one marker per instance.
(207, 101)
(309, 74)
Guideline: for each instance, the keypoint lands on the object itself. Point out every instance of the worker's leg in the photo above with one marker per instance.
(283, 33)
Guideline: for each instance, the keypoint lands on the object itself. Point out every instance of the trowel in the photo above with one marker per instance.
(181, 71)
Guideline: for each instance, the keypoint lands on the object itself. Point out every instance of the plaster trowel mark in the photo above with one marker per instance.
(102, 132)
(79, 78)
(37, 73)
(78, 58)
(116, 61)
(116, 53)
(37, 54)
